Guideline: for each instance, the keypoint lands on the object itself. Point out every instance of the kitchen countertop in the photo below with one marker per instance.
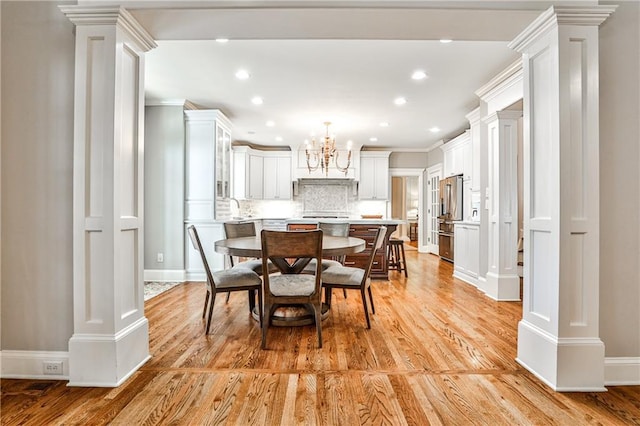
(354, 220)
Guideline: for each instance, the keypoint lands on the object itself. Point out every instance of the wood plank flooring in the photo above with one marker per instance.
(438, 353)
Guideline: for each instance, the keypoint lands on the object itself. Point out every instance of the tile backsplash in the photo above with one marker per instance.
(315, 197)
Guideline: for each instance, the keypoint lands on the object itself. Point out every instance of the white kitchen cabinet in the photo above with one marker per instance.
(261, 175)
(374, 175)
(207, 183)
(457, 156)
(277, 177)
(247, 174)
(207, 168)
(466, 248)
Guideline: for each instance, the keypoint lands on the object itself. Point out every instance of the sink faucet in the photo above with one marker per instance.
(233, 201)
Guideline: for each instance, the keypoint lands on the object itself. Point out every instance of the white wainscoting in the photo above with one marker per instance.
(622, 371)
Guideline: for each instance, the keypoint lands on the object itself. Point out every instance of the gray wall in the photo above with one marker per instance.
(408, 160)
(37, 159)
(164, 187)
(620, 181)
(435, 156)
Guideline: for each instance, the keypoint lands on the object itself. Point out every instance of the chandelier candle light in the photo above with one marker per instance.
(320, 157)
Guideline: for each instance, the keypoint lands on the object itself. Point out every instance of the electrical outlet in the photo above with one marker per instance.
(160, 257)
(52, 367)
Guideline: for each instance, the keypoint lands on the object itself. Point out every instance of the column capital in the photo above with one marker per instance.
(502, 115)
(563, 15)
(110, 15)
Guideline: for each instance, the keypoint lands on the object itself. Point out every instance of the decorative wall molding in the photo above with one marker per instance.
(110, 15)
(187, 105)
(30, 364)
(504, 80)
(553, 16)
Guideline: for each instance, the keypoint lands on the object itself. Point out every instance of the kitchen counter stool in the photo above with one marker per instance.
(396, 258)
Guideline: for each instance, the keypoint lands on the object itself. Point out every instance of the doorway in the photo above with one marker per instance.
(407, 195)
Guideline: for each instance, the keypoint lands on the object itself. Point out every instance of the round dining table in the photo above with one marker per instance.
(290, 315)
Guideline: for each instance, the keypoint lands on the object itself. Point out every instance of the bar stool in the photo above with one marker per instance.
(396, 258)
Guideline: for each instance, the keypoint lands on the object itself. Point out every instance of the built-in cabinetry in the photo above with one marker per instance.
(277, 176)
(466, 251)
(374, 175)
(207, 182)
(261, 175)
(457, 156)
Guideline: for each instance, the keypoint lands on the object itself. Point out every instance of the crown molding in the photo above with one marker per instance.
(187, 105)
(435, 145)
(506, 79)
(502, 115)
(560, 15)
(473, 116)
(114, 15)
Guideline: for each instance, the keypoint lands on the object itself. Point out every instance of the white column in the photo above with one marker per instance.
(503, 281)
(558, 336)
(111, 338)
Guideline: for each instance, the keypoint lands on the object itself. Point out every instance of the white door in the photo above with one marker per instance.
(433, 205)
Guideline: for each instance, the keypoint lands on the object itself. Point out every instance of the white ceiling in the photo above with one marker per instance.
(335, 65)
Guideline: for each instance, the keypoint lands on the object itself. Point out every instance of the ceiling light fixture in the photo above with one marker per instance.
(242, 74)
(373, 139)
(222, 40)
(384, 124)
(257, 100)
(418, 75)
(325, 154)
(434, 129)
(270, 123)
(400, 101)
(445, 40)
(279, 139)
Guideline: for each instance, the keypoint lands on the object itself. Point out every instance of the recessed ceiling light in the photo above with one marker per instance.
(222, 40)
(279, 139)
(400, 101)
(374, 139)
(270, 123)
(445, 40)
(384, 124)
(242, 74)
(434, 129)
(419, 75)
(257, 100)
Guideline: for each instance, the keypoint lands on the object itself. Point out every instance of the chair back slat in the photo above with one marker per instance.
(379, 241)
(289, 244)
(240, 229)
(334, 229)
(195, 241)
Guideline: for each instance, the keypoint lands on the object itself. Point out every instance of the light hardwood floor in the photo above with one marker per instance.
(438, 352)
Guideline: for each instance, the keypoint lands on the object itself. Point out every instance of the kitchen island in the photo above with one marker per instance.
(360, 228)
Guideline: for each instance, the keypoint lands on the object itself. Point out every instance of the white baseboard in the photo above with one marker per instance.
(165, 275)
(622, 371)
(30, 364)
(469, 279)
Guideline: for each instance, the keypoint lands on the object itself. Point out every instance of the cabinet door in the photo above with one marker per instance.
(223, 162)
(277, 178)
(255, 177)
(374, 178)
(283, 178)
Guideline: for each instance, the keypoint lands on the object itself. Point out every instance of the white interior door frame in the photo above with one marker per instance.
(434, 174)
(419, 173)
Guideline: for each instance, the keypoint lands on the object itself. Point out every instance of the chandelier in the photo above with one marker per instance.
(325, 154)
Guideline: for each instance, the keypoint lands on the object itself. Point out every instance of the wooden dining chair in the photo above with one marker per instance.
(350, 278)
(291, 287)
(226, 281)
(333, 229)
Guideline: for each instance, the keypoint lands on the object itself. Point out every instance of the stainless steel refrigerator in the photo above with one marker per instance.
(450, 210)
